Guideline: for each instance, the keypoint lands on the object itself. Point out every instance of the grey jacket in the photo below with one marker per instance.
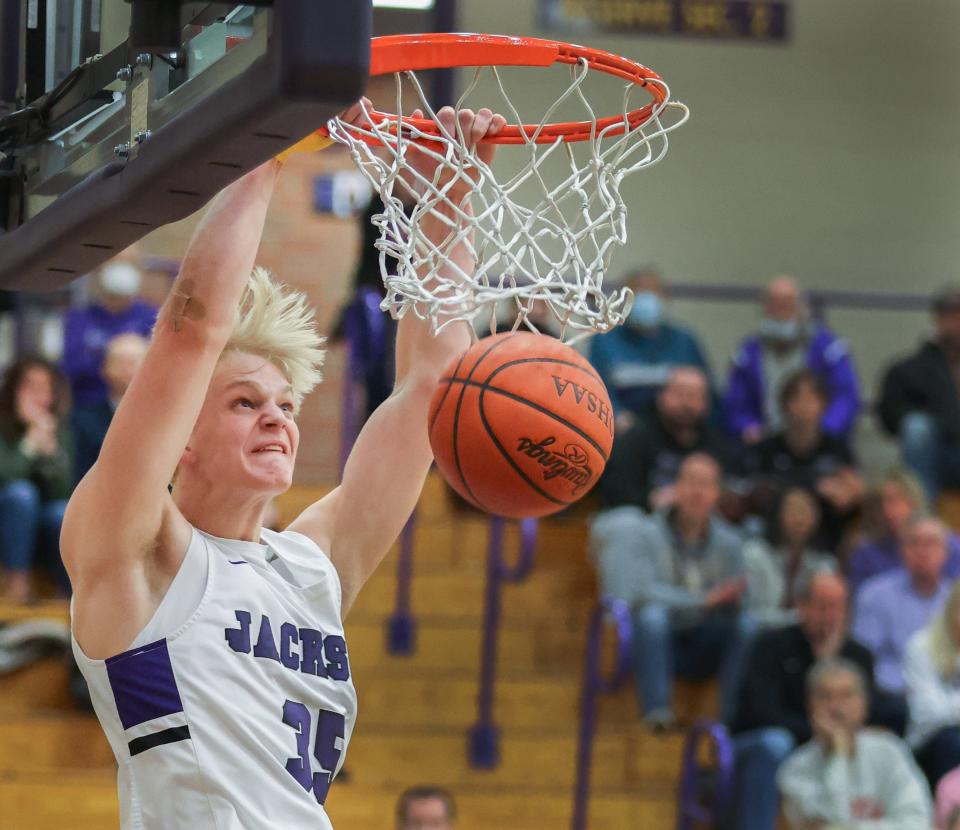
(640, 561)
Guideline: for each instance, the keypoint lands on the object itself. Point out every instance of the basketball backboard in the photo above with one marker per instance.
(105, 137)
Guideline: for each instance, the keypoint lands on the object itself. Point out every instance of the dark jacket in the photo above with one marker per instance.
(921, 383)
(648, 456)
(773, 692)
(52, 474)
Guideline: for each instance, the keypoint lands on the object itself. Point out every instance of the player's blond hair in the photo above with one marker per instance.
(277, 323)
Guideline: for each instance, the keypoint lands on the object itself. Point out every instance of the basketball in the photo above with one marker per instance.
(521, 425)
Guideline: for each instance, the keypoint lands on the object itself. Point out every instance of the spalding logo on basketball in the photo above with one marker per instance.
(521, 425)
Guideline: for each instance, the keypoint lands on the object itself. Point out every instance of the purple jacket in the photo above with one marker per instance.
(827, 355)
(87, 330)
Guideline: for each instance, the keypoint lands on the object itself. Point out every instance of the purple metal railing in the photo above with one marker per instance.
(401, 625)
(691, 811)
(595, 684)
(484, 736)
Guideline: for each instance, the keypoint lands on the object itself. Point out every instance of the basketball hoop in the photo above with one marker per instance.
(536, 234)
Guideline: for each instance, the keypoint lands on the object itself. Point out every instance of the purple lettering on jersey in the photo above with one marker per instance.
(335, 650)
(239, 638)
(143, 684)
(288, 636)
(266, 646)
(318, 655)
(311, 646)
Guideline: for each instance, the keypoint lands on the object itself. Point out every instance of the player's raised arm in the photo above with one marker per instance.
(386, 470)
(116, 512)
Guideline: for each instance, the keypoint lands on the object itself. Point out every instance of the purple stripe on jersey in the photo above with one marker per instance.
(143, 684)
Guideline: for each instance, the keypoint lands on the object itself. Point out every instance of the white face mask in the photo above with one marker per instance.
(120, 278)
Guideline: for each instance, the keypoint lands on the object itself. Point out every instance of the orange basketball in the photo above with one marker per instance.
(521, 425)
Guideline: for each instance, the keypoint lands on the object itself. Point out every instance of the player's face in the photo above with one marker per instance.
(426, 814)
(246, 435)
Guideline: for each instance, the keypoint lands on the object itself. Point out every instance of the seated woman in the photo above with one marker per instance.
(932, 673)
(803, 455)
(777, 566)
(36, 472)
(887, 510)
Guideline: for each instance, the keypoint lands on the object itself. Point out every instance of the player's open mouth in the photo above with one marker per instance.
(272, 448)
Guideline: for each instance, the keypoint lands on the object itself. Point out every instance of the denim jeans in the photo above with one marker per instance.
(936, 464)
(717, 645)
(30, 529)
(758, 754)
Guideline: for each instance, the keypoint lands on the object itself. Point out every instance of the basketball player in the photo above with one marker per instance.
(214, 649)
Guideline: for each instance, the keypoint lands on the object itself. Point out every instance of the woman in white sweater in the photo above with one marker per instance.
(932, 674)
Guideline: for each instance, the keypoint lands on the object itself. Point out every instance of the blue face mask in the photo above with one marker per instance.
(647, 311)
(781, 331)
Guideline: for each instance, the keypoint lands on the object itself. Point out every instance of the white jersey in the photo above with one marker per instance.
(234, 706)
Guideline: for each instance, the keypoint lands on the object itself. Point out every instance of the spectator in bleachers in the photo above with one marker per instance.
(635, 359)
(36, 472)
(892, 606)
(771, 717)
(90, 421)
(786, 342)
(848, 776)
(647, 456)
(426, 808)
(681, 571)
(776, 566)
(114, 309)
(889, 506)
(803, 455)
(932, 672)
(920, 400)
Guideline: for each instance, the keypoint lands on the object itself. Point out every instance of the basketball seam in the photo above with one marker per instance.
(513, 396)
(456, 421)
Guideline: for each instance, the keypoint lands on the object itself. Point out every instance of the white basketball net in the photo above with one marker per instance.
(532, 240)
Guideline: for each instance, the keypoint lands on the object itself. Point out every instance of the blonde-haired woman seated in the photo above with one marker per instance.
(932, 674)
(890, 504)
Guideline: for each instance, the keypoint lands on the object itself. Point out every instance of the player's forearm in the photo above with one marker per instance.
(419, 351)
(220, 257)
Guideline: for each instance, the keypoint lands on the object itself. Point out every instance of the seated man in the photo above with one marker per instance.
(771, 718)
(681, 570)
(426, 808)
(634, 360)
(786, 342)
(892, 606)
(646, 458)
(888, 508)
(920, 400)
(848, 776)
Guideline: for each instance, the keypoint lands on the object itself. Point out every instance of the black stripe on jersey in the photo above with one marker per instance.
(164, 736)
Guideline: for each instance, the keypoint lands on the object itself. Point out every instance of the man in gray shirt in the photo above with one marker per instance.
(681, 570)
(848, 776)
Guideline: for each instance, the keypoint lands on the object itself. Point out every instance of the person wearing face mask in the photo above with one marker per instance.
(920, 400)
(636, 359)
(787, 341)
(115, 309)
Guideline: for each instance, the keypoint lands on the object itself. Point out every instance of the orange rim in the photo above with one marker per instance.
(399, 53)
